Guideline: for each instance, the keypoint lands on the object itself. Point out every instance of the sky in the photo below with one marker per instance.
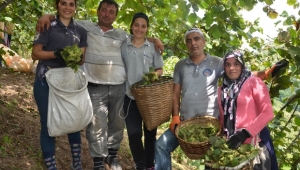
(267, 23)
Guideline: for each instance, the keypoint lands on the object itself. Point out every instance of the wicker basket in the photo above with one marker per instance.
(154, 101)
(197, 150)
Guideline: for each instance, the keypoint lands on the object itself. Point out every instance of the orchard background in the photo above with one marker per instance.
(224, 29)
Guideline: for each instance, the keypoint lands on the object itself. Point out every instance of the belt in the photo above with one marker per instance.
(93, 84)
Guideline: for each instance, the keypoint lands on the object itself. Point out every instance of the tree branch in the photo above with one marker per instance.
(289, 121)
(4, 4)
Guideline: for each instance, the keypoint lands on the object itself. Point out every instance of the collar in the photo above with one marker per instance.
(189, 61)
(71, 24)
(96, 25)
(146, 43)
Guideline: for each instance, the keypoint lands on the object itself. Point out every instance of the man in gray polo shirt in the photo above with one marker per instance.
(195, 83)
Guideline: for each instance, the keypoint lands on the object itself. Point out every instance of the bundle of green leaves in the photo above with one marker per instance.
(196, 133)
(71, 55)
(150, 77)
(220, 155)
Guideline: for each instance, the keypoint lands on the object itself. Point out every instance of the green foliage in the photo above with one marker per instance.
(220, 155)
(196, 133)
(150, 77)
(224, 29)
(71, 55)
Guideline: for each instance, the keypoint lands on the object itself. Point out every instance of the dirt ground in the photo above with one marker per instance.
(20, 126)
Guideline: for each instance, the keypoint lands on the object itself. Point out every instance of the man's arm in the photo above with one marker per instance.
(176, 99)
(157, 43)
(176, 107)
(43, 22)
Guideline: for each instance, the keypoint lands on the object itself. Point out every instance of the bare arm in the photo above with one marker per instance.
(176, 99)
(39, 54)
(43, 22)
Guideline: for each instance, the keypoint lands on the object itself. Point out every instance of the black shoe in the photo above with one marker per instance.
(113, 162)
(98, 163)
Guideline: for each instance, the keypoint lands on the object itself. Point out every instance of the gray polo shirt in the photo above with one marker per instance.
(198, 86)
(138, 61)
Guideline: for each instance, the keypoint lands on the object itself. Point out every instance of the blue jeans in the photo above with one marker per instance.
(165, 144)
(41, 94)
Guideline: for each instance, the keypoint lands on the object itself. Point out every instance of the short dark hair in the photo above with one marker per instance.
(57, 2)
(109, 2)
(139, 15)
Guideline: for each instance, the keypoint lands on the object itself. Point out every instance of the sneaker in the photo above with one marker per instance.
(113, 163)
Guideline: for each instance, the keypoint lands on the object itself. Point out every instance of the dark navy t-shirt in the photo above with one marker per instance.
(59, 36)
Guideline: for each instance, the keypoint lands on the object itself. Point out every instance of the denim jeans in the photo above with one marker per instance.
(165, 144)
(41, 93)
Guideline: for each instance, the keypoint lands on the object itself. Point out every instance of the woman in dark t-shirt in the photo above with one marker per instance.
(46, 48)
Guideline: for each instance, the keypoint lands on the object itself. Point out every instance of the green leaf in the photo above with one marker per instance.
(235, 162)
(172, 16)
(291, 2)
(208, 18)
(284, 14)
(269, 2)
(248, 4)
(204, 5)
(215, 31)
(297, 120)
(159, 3)
(288, 21)
(294, 51)
(192, 18)
(89, 4)
(281, 134)
(173, 2)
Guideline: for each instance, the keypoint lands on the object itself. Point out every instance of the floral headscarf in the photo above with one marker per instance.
(230, 91)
